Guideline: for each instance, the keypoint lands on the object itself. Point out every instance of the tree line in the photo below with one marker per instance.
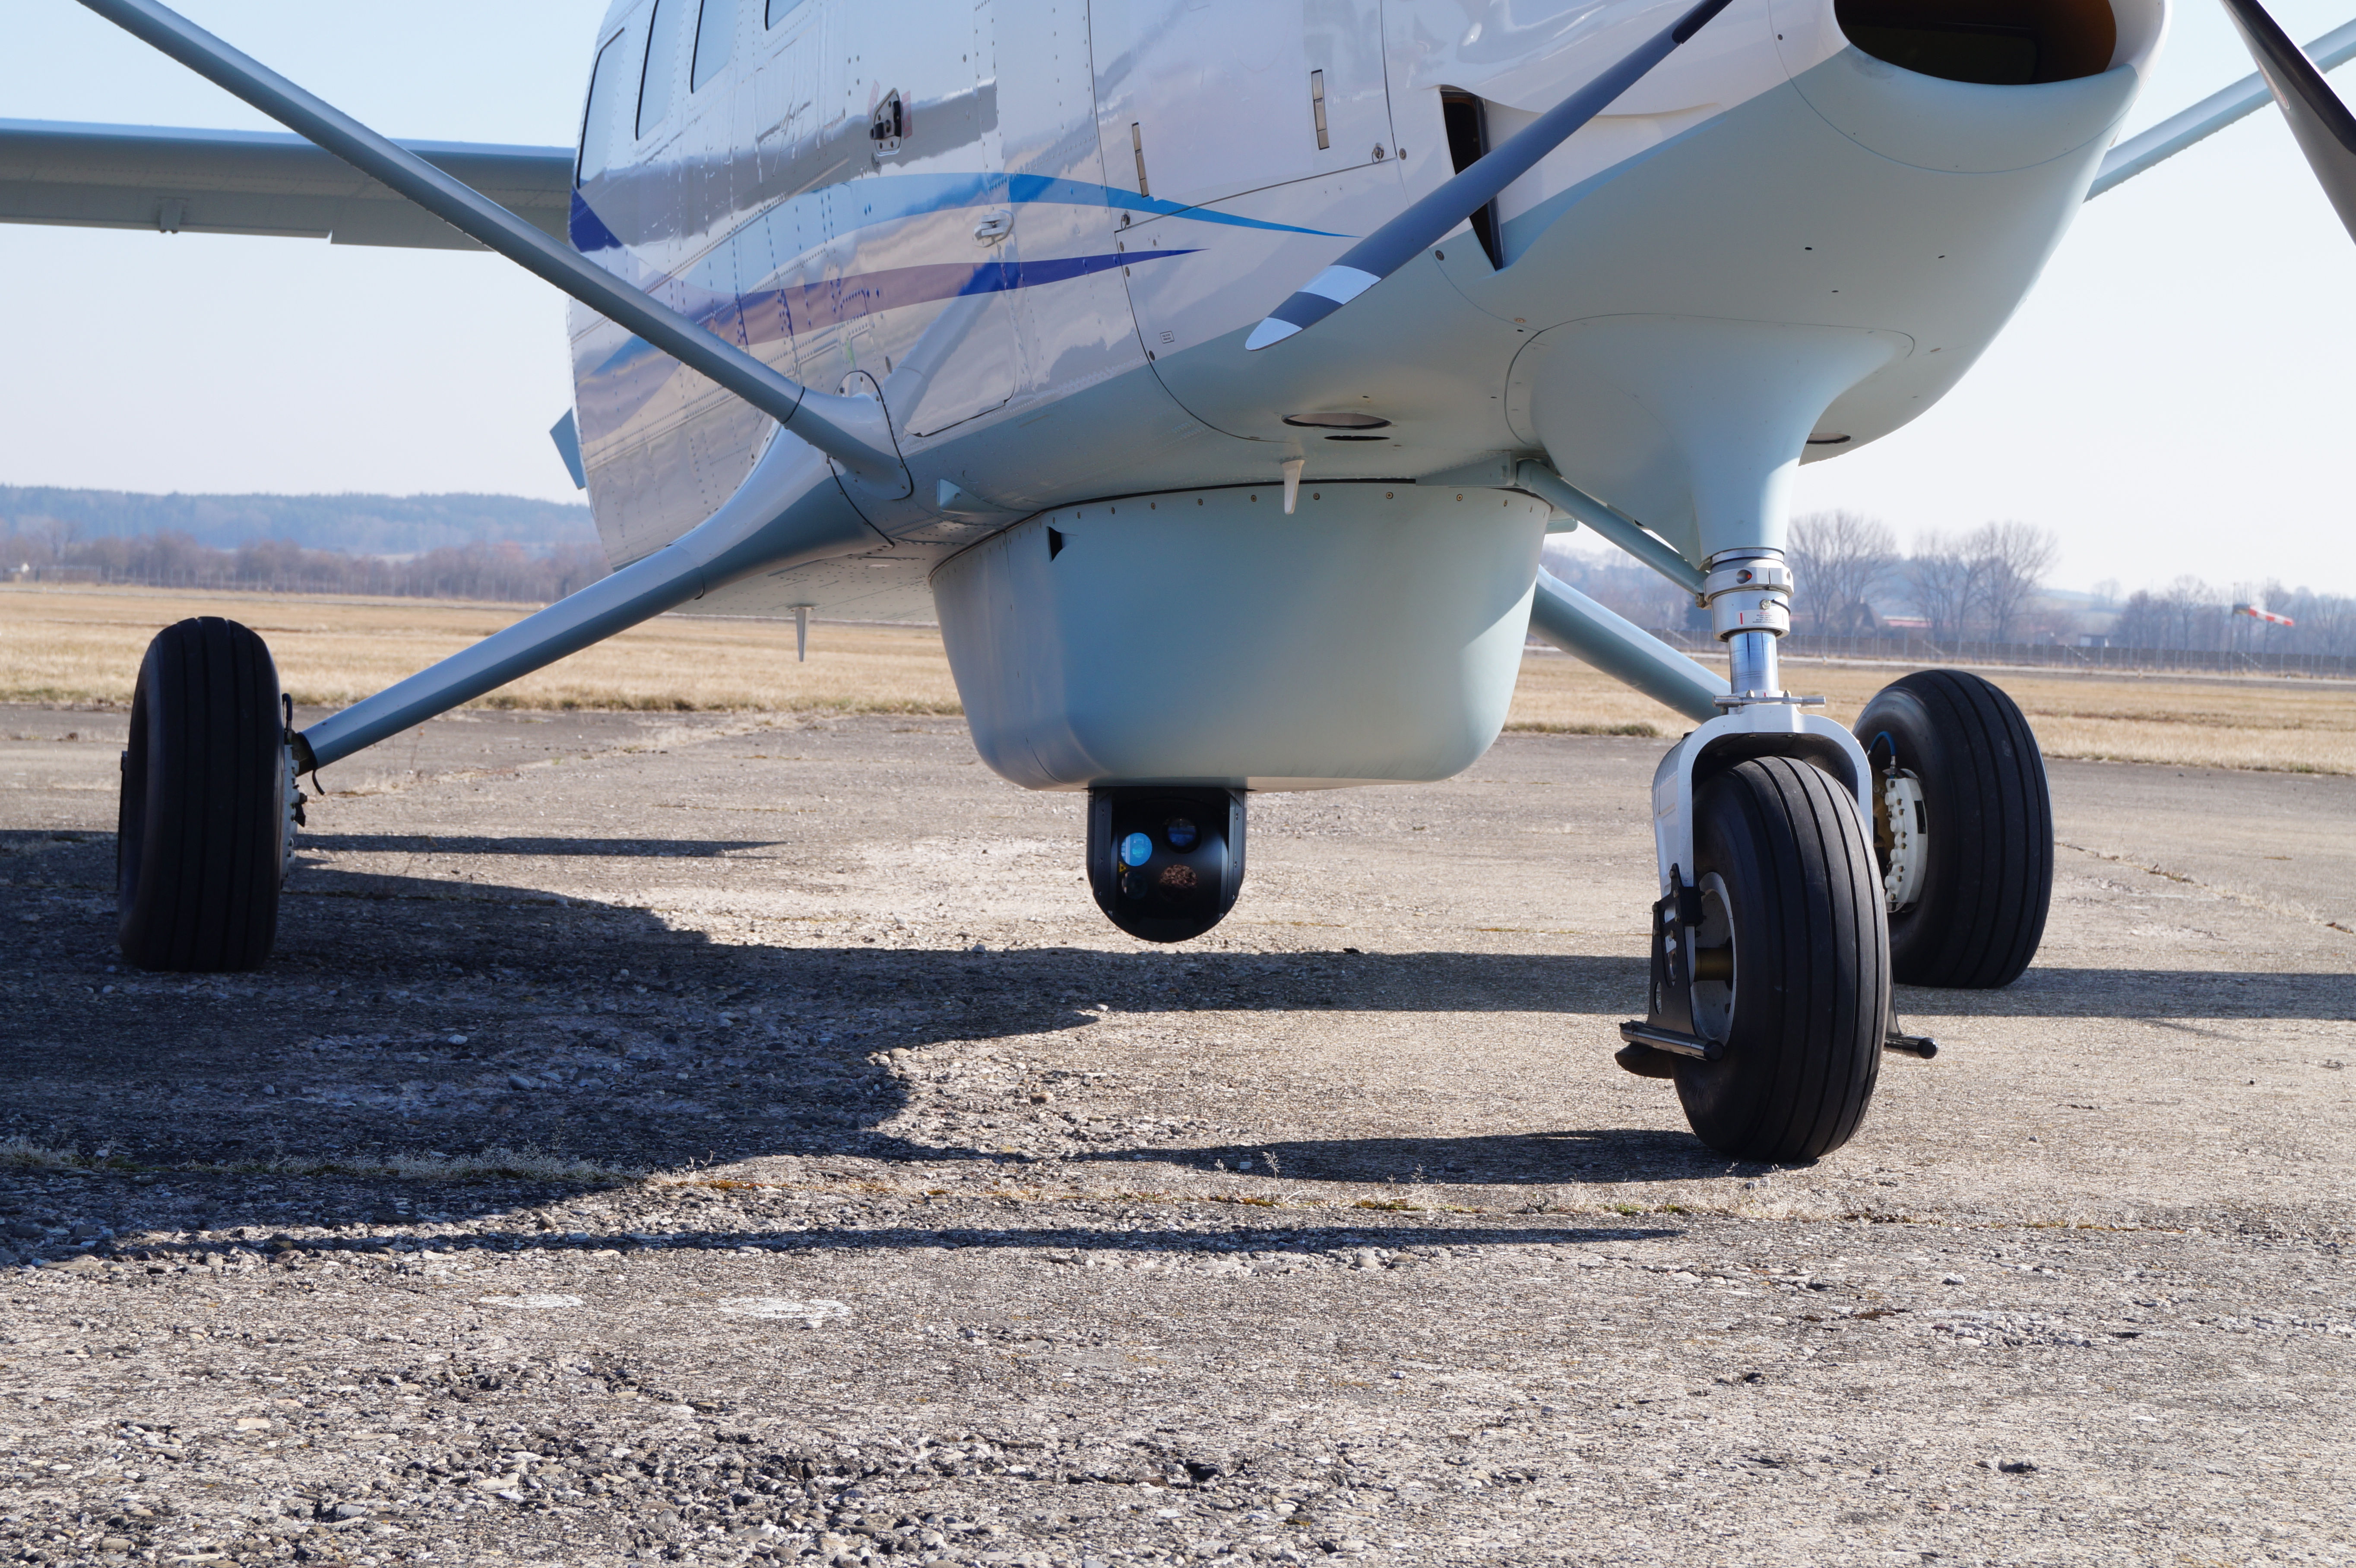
(355, 523)
(2191, 615)
(1983, 584)
(173, 560)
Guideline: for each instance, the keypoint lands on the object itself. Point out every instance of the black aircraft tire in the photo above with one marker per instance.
(1811, 964)
(200, 833)
(1980, 912)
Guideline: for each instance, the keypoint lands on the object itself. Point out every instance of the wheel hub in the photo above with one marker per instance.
(1902, 837)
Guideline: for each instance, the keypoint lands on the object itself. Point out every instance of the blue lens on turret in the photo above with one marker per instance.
(1136, 849)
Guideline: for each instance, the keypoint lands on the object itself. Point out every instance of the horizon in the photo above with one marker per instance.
(1583, 544)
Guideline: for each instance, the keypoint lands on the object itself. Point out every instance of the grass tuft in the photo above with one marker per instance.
(498, 1162)
(23, 1154)
(1643, 729)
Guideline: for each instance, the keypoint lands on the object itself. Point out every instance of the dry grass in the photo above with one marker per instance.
(82, 645)
(22, 1152)
(498, 1162)
(2282, 726)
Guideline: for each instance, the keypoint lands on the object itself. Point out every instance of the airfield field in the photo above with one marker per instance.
(734, 1137)
(83, 645)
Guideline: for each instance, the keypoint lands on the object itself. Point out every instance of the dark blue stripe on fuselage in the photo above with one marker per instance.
(587, 230)
(991, 277)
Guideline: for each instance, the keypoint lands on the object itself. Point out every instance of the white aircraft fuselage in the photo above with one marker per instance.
(1040, 231)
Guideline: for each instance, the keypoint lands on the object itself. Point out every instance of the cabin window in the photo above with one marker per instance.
(778, 11)
(607, 94)
(662, 62)
(715, 33)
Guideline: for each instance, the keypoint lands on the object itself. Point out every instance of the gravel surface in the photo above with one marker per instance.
(730, 1139)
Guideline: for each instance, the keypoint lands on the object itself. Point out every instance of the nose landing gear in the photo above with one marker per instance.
(1771, 944)
(1784, 921)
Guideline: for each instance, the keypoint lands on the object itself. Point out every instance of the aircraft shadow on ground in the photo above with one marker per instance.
(1400, 1167)
(178, 1075)
(550, 849)
(27, 842)
(2061, 991)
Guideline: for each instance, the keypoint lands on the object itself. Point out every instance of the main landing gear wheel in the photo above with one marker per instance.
(1791, 964)
(1962, 827)
(202, 832)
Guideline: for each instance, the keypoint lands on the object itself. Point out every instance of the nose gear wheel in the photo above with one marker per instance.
(1792, 937)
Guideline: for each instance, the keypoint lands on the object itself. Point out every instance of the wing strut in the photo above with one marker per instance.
(2210, 115)
(854, 431)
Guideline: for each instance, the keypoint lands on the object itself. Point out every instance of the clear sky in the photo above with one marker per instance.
(2170, 400)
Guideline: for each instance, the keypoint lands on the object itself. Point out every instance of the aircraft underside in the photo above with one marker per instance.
(1214, 374)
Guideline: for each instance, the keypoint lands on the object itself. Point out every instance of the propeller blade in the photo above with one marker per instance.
(853, 431)
(1387, 249)
(2326, 131)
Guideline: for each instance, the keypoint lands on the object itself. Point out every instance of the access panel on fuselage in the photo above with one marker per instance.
(1258, 134)
(1201, 100)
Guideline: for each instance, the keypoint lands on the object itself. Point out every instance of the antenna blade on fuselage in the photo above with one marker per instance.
(852, 431)
(1387, 249)
(2325, 129)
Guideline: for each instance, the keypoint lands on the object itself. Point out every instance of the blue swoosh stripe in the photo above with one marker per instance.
(883, 197)
(587, 230)
(1045, 187)
(995, 277)
(635, 371)
(886, 197)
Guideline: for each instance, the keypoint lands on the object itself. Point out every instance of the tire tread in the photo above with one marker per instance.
(1800, 1088)
(200, 858)
(1984, 913)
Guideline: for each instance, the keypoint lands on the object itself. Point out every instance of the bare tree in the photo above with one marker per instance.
(1943, 574)
(1838, 558)
(1620, 585)
(2188, 614)
(2009, 563)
